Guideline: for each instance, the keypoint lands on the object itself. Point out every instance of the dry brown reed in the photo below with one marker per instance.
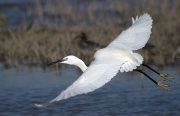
(38, 44)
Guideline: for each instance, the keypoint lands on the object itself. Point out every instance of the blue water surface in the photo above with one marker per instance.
(127, 94)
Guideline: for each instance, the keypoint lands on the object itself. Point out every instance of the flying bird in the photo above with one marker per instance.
(118, 56)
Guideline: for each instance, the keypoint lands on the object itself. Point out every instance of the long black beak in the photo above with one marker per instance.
(55, 62)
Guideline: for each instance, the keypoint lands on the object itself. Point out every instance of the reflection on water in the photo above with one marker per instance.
(126, 95)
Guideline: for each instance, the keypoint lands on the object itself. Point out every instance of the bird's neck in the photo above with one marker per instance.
(82, 65)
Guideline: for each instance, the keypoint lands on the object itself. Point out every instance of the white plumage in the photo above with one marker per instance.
(136, 36)
(117, 56)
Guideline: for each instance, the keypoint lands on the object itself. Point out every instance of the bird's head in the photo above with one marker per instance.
(72, 60)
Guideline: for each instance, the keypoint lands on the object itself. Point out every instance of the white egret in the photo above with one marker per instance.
(73, 60)
(117, 56)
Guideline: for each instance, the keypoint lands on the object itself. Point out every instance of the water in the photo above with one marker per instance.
(126, 94)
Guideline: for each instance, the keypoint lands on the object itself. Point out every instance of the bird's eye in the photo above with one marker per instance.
(93, 59)
(66, 59)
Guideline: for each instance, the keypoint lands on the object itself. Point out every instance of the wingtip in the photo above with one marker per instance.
(145, 15)
(43, 104)
(132, 20)
(38, 105)
(148, 15)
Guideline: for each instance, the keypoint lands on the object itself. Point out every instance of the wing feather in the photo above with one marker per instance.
(97, 74)
(102, 73)
(136, 36)
(130, 65)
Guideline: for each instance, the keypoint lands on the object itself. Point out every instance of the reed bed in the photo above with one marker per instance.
(51, 35)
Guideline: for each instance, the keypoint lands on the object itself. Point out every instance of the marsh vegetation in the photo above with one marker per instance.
(50, 35)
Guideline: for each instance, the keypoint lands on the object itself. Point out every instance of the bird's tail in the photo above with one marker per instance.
(138, 57)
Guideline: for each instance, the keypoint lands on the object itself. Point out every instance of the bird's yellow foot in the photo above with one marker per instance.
(167, 77)
(160, 84)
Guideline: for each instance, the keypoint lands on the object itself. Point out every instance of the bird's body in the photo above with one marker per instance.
(107, 62)
(128, 59)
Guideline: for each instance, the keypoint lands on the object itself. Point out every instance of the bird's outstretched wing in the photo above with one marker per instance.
(97, 74)
(136, 36)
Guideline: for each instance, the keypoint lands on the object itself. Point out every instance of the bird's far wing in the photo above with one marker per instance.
(136, 36)
(97, 74)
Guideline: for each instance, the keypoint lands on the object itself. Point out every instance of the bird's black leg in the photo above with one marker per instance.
(165, 76)
(146, 75)
(160, 84)
(150, 68)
